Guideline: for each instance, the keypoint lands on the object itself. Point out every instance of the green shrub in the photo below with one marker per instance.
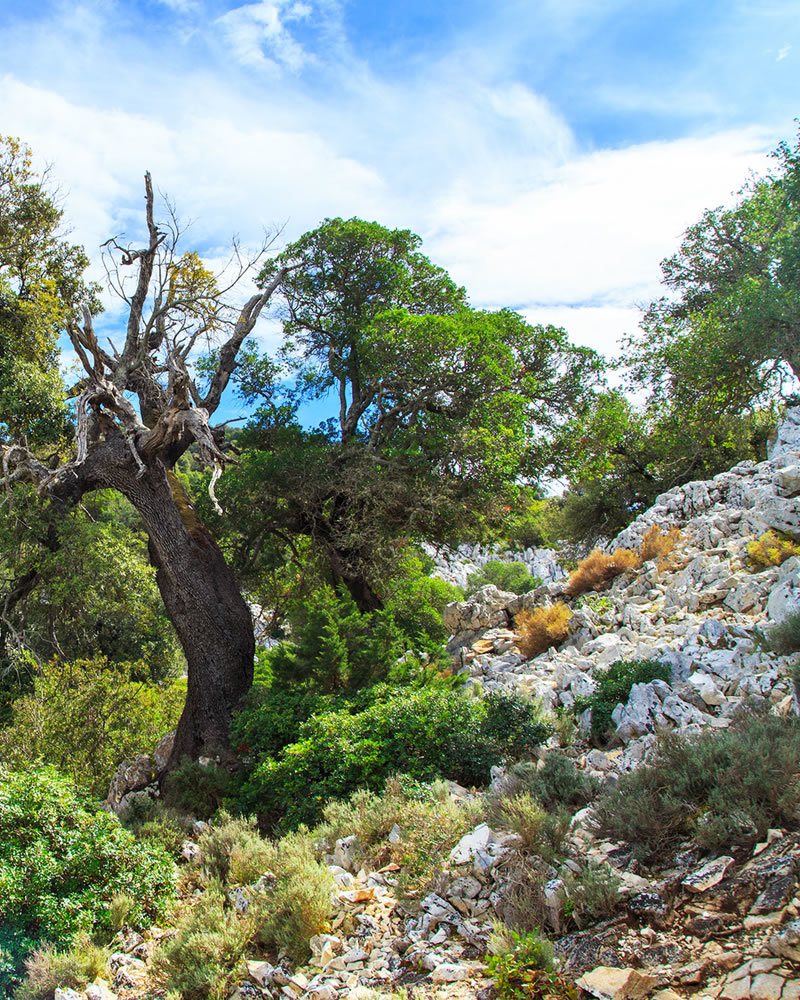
(523, 815)
(61, 864)
(594, 893)
(298, 905)
(233, 852)
(152, 821)
(425, 733)
(784, 638)
(196, 789)
(73, 968)
(509, 576)
(429, 819)
(721, 788)
(613, 688)
(335, 647)
(521, 965)
(85, 717)
(208, 948)
(558, 782)
(271, 717)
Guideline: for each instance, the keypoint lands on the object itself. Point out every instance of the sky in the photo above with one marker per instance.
(549, 152)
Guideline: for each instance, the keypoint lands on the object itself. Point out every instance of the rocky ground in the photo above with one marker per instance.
(723, 926)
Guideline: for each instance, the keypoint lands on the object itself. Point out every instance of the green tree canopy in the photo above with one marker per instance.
(442, 409)
(729, 336)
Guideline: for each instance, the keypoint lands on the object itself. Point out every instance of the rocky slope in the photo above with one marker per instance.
(723, 926)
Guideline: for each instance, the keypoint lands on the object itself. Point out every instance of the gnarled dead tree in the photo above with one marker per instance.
(174, 305)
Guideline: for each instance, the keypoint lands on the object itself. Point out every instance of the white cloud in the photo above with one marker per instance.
(783, 52)
(254, 27)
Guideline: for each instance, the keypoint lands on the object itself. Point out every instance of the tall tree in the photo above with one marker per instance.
(173, 304)
(440, 409)
(728, 337)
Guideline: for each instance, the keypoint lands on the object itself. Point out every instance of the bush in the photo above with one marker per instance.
(771, 549)
(199, 961)
(594, 893)
(271, 717)
(196, 789)
(522, 967)
(614, 687)
(599, 568)
(84, 717)
(298, 905)
(541, 628)
(288, 900)
(523, 815)
(233, 852)
(721, 788)
(72, 968)
(658, 544)
(430, 822)
(558, 782)
(61, 864)
(425, 733)
(784, 637)
(509, 576)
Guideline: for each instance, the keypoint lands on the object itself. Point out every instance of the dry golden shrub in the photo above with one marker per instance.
(598, 569)
(657, 544)
(771, 549)
(540, 628)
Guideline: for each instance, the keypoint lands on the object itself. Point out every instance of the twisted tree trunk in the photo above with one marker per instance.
(201, 595)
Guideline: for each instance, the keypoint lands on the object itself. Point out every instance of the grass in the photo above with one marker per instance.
(598, 569)
(540, 628)
(49, 968)
(784, 637)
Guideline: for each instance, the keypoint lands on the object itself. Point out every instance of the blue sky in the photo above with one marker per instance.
(550, 152)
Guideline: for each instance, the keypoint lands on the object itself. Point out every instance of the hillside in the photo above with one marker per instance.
(705, 906)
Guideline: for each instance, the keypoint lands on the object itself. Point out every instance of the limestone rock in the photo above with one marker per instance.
(708, 875)
(607, 983)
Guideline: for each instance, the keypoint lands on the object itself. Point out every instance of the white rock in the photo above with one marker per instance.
(708, 875)
(448, 972)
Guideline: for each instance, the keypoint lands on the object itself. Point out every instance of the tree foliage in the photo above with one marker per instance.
(729, 336)
(441, 409)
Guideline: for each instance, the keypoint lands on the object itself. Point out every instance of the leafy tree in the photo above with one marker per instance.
(729, 337)
(620, 458)
(173, 304)
(441, 408)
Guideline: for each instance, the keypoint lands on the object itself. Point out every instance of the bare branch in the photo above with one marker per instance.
(244, 325)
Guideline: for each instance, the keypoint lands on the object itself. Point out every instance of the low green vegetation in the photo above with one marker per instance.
(513, 577)
(522, 966)
(425, 732)
(784, 637)
(63, 862)
(50, 967)
(720, 788)
(87, 716)
(613, 688)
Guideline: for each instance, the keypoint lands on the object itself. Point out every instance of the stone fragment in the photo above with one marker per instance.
(766, 986)
(708, 875)
(449, 972)
(607, 983)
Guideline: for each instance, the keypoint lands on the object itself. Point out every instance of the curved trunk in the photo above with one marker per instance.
(201, 595)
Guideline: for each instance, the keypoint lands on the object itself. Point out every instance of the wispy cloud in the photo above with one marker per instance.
(260, 36)
(783, 52)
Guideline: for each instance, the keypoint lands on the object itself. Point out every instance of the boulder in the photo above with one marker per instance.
(787, 437)
(607, 983)
(485, 609)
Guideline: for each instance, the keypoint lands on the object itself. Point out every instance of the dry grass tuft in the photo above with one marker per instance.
(541, 628)
(598, 569)
(658, 544)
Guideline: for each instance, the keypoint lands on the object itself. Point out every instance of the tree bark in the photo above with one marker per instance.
(201, 595)
(358, 586)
